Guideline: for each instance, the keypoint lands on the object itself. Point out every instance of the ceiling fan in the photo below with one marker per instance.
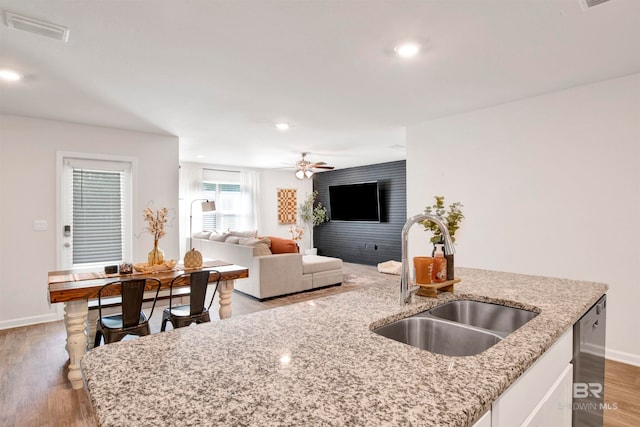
(305, 168)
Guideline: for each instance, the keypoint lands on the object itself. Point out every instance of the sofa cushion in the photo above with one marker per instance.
(202, 235)
(232, 239)
(317, 263)
(217, 237)
(260, 245)
(250, 233)
(283, 246)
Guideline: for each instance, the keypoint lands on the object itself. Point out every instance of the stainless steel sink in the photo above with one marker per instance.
(437, 336)
(497, 318)
(457, 328)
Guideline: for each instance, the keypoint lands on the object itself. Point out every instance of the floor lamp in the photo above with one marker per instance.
(207, 206)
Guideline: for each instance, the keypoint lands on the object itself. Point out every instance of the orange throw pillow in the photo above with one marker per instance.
(283, 246)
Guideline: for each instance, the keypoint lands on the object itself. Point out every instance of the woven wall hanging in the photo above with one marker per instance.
(287, 206)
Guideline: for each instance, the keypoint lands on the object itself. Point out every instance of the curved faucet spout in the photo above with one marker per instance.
(406, 290)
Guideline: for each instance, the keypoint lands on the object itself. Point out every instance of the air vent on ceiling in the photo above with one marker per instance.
(36, 26)
(588, 4)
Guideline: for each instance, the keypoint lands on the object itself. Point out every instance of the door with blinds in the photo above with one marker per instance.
(96, 212)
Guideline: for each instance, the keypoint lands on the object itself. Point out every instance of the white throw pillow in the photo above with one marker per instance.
(218, 237)
(232, 239)
(202, 235)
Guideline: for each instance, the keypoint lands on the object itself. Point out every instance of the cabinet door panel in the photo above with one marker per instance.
(555, 408)
(522, 397)
(484, 421)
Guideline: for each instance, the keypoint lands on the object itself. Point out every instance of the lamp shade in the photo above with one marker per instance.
(308, 173)
(208, 206)
(300, 174)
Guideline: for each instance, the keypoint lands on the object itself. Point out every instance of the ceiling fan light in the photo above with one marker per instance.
(300, 174)
(308, 173)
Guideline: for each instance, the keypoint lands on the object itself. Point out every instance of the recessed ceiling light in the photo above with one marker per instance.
(407, 50)
(200, 156)
(10, 76)
(282, 126)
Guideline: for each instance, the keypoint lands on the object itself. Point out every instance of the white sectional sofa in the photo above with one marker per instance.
(273, 275)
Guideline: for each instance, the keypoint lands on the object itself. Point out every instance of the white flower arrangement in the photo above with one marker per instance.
(157, 221)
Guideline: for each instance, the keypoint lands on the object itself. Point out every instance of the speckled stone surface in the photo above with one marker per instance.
(319, 363)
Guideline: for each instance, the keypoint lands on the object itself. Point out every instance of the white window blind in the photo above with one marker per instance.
(98, 211)
(227, 197)
(223, 187)
(97, 216)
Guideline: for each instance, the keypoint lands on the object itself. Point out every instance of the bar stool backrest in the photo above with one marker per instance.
(199, 281)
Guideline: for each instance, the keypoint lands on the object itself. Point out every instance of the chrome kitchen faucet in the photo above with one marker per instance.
(406, 289)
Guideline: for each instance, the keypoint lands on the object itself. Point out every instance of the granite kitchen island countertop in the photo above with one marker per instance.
(319, 363)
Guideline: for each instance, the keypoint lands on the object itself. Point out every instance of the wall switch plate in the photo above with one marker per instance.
(40, 225)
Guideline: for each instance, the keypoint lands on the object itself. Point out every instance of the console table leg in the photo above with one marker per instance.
(225, 290)
(75, 320)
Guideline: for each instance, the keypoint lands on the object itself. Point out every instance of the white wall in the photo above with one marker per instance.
(550, 186)
(270, 182)
(28, 192)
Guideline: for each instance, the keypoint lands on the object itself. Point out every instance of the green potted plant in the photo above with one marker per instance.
(313, 214)
(452, 217)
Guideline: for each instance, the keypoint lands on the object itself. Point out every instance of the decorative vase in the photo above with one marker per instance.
(156, 255)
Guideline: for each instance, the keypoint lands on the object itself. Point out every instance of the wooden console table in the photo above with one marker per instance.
(75, 289)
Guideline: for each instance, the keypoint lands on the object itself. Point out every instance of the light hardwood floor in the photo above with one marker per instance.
(34, 390)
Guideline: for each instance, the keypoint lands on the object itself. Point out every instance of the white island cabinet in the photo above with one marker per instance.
(542, 395)
(484, 421)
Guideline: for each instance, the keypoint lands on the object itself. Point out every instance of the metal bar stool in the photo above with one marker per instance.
(132, 320)
(195, 311)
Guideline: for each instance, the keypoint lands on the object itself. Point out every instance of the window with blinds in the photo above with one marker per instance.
(97, 216)
(227, 214)
(97, 209)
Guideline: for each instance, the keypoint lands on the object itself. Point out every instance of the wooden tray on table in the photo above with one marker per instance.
(431, 290)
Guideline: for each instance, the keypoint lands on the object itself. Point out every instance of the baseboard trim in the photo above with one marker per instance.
(621, 356)
(26, 321)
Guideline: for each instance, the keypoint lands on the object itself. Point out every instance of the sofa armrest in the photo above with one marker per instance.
(273, 275)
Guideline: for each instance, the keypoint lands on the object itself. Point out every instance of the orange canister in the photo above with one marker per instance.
(423, 266)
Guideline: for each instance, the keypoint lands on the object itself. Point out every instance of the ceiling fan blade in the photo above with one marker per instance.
(319, 163)
(324, 167)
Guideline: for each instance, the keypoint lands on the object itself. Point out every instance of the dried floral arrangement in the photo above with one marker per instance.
(157, 221)
(296, 232)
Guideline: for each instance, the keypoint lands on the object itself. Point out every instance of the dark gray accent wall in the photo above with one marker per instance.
(365, 242)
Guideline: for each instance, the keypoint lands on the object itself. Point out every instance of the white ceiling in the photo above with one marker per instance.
(219, 74)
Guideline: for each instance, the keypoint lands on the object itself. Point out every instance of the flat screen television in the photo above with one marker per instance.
(354, 202)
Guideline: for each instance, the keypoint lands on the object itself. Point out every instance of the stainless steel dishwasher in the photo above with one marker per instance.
(589, 335)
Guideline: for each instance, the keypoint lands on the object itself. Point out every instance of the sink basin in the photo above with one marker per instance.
(497, 318)
(437, 336)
